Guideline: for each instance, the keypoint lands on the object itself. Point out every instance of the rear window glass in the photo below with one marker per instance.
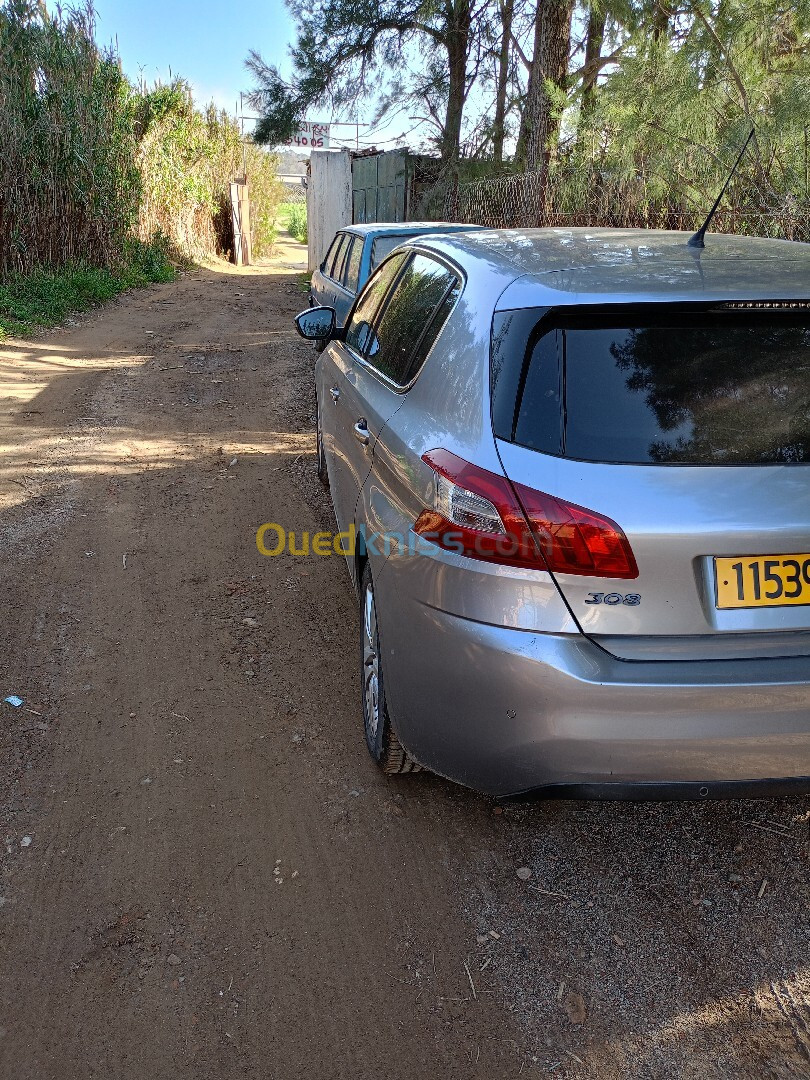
(359, 331)
(382, 246)
(702, 389)
(411, 316)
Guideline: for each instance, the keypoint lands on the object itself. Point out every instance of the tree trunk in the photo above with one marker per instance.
(507, 10)
(458, 47)
(540, 122)
(593, 51)
(660, 20)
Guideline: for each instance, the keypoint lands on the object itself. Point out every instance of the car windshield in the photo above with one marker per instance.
(702, 389)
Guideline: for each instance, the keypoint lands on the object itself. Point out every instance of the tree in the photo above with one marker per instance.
(506, 11)
(343, 44)
(548, 78)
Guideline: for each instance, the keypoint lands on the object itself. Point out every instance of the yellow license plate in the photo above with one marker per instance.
(762, 581)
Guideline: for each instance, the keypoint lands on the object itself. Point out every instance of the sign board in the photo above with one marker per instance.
(311, 135)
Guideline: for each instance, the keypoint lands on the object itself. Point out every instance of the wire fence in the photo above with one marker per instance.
(573, 199)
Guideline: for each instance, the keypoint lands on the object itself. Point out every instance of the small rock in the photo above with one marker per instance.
(735, 879)
(233, 461)
(173, 959)
(482, 939)
(574, 1005)
(524, 873)
(497, 810)
(147, 780)
(706, 903)
(495, 935)
(250, 622)
(25, 842)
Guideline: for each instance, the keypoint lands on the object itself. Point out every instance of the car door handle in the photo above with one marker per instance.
(335, 392)
(361, 431)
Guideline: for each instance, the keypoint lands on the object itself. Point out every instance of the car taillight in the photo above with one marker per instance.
(483, 515)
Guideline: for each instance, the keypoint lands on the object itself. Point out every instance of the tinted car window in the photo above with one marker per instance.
(432, 331)
(333, 267)
(408, 316)
(329, 257)
(352, 270)
(382, 246)
(359, 331)
(705, 389)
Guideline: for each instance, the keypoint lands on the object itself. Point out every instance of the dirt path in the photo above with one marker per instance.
(202, 873)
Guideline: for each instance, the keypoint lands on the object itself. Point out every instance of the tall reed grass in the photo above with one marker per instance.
(88, 162)
(69, 185)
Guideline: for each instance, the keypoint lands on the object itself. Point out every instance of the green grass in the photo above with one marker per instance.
(31, 302)
(292, 216)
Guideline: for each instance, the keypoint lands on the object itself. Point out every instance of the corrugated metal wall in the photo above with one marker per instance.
(380, 187)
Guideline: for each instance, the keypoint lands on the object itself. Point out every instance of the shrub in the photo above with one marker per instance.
(69, 187)
(43, 298)
(297, 221)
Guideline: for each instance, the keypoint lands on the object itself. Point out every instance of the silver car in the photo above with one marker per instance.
(573, 471)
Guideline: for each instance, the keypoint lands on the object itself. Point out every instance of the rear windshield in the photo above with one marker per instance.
(721, 388)
(383, 245)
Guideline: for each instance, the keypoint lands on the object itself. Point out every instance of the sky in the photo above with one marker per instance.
(206, 42)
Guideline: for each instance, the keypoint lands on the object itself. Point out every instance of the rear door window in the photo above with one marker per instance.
(339, 269)
(413, 316)
(352, 269)
(717, 388)
(329, 257)
(333, 267)
(360, 328)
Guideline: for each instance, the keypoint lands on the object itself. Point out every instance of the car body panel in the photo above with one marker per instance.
(505, 710)
(677, 519)
(360, 396)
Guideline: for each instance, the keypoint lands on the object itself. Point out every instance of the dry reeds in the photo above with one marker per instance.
(69, 188)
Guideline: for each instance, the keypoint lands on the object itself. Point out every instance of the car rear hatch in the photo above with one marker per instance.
(688, 431)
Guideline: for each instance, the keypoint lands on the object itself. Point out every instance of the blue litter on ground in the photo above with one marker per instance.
(12, 699)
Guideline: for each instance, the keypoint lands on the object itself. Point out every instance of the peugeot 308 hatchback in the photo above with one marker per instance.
(575, 470)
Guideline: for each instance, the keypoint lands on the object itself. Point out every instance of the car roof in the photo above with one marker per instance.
(408, 228)
(549, 267)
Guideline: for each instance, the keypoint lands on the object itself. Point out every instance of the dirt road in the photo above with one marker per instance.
(202, 873)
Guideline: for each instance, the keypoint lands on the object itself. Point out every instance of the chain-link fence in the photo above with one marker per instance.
(587, 199)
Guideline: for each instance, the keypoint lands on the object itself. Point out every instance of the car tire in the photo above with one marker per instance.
(381, 739)
(323, 474)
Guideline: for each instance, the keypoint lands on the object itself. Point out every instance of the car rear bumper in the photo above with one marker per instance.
(514, 712)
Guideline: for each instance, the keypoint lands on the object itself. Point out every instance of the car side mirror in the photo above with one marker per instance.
(316, 324)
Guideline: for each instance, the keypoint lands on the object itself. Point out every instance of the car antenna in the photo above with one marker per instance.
(697, 240)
